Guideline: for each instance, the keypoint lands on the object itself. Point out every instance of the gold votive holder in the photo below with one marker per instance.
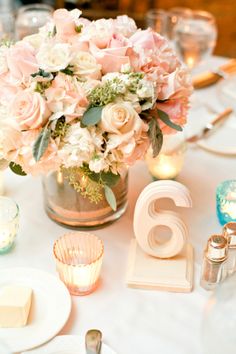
(169, 162)
(78, 257)
(9, 223)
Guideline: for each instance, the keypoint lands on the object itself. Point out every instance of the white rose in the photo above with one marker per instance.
(121, 118)
(86, 65)
(125, 25)
(54, 57)
(35, 40)
(124, 126)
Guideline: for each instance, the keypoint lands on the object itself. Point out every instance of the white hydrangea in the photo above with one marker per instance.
(78, 146)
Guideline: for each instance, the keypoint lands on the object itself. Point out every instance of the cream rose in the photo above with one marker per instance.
(29, 110)
(54, 57)
(121, 118)
(86, 65)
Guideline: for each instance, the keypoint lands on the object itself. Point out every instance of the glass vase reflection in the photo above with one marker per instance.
(9, 223)
(169, 162)
(226, 201)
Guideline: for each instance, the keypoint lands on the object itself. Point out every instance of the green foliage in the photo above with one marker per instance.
(78, 29)
(107, 93)
(91, 185)
(110, 197)
(61, 128)
(80, 181)
(41, 143)
(42, 73)
(165, 119)
(155, 136)
(92, 116)
(68, 70)
(17, 169)
(42, 86)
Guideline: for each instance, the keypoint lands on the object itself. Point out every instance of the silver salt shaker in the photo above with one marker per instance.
(214, 268)
(229, 232)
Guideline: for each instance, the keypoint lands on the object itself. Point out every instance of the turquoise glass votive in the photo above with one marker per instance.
(9, 223)
(226, 201)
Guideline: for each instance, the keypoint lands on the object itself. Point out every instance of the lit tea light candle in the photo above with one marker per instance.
(168, 164)
(9, 223)
(226, 201)
(78, 257)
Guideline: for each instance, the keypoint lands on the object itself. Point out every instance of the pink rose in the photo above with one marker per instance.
(114, 55)
(18, 148)
(66, 97)
(21, 62)
(99, 32)
(178, 81)
(29, 110)
(156, 58)
(142, 145)
(176, 108)
(65, 23)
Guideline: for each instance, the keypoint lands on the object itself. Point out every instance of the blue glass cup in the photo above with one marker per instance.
(226, 201)
(9, 223)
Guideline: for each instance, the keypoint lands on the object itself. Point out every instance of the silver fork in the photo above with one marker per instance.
(210, 126)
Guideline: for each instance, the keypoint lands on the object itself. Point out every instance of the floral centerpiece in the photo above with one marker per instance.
(88, 98)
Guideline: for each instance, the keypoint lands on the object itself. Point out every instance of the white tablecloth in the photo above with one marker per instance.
(133, 321)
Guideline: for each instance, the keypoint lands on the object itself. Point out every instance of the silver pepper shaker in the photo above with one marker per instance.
(229, 232)
(214, 269)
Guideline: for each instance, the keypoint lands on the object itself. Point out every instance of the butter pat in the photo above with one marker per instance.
(15, 303)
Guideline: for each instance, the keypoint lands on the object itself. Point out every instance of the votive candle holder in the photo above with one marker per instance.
(226, 201)
(169, 162)
(78, 257)
(9, 223)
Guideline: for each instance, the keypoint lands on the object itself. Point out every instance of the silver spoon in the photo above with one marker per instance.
(93, 341)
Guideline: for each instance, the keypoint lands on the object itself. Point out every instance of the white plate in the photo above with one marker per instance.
(49, 312)
(223, 139)
(67, 345)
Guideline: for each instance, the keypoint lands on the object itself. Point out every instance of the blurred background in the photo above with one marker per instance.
(224, 12)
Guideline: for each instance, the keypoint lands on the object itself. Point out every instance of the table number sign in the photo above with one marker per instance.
(153, 264)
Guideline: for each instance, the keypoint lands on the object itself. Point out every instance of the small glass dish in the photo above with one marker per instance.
(226, 201)
(78, 257)
(9, 223)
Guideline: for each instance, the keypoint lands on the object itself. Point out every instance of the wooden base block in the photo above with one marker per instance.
(147, 272)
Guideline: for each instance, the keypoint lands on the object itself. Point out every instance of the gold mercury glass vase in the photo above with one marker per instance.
(65, 205)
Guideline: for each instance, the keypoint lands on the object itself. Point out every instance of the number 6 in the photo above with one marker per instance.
(147, 219)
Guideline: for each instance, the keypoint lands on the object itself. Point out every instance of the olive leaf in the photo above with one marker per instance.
(155, 136)
(42, 73)
(109, 178)
(41, 143)
(17, 169)
(110, 197)
(165, 119)
(92, 116)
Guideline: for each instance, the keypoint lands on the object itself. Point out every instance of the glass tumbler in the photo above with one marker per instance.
(30, 18)
(78, 257)
(7, 25)
(9, 223)
(157, 20)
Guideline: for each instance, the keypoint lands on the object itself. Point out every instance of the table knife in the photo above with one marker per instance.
(93, 341)
(210, 126)
(211, 77)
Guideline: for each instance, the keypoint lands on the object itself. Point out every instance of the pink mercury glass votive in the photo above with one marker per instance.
(79, 258)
